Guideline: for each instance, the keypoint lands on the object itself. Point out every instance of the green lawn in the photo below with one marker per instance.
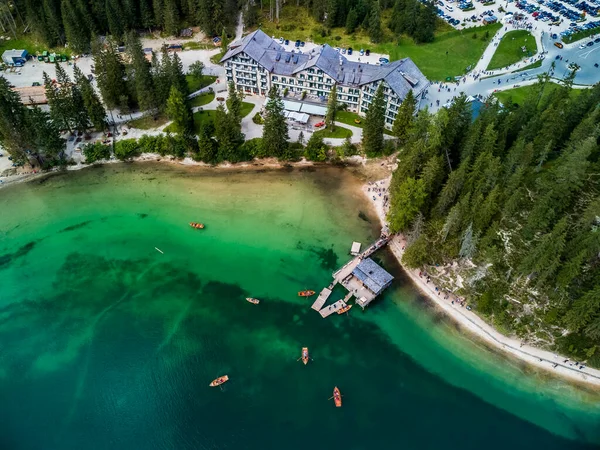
(246, 108)
(518, 95)
(195, 45)
(31, 46)
(203, 117)
(338, 132)
(195, 84)
(535, 65)
(509, 50)
(463, 50)
(349, 118)
(202, 99)
(148, 122)
(216, 59)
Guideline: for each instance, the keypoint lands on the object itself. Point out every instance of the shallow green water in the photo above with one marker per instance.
(105, 343)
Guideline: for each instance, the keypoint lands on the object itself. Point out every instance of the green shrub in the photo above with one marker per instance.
(127, 149)
(338, 38)
(285, 92)
(258, 119)
(252, 148)
(95, 152)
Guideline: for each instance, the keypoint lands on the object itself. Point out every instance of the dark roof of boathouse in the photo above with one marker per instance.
(373, 276)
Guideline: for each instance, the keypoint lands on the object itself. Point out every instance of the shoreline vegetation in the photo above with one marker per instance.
(475, 326)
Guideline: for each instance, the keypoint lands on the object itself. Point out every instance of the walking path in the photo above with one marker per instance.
(455, 308)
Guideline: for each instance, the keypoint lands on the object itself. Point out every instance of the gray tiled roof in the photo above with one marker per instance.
(401, 75)
(372, 275)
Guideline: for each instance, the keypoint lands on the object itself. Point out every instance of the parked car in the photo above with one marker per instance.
(297, 44)
(589, 44)
(287, 42)
(350, 50)
(384, 60)
(362, 52)
(558, 44)
(367, 52)
(319, 124)
(220, 99)
(36, 83)
(301, 43)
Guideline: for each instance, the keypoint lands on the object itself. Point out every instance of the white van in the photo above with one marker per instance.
(449, 8)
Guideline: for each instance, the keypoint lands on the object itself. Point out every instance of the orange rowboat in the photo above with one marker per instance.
(219, 381)
(337, 397)
(196, 225)
(305, 355)
(344, 309)
(253, 300)
(306, 293)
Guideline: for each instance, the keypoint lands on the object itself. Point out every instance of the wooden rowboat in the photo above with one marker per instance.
(197, 225)
(219, 381)
(337, 397)
(344, 309)
(306, 293)
(305, 355)
(253, 300)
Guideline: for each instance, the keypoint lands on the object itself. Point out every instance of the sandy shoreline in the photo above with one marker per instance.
(470, 321)
(267, 163)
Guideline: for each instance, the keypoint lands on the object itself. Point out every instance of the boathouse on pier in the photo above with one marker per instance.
(373, 278)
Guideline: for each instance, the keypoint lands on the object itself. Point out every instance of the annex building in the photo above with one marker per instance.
(257, 62)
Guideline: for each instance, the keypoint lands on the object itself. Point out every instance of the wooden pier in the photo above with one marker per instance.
(332, 308)
(321, 299)
(344, 277)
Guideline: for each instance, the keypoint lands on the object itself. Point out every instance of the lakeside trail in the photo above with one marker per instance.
(549, 361)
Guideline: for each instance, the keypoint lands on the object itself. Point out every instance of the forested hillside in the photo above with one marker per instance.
(76, 22)
(506, 209)
(56, 22)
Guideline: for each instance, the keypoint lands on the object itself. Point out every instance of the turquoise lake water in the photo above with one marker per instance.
(105, 343)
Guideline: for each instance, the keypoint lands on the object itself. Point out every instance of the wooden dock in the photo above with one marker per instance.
(332, 308)
(321, 299)
(344, 276)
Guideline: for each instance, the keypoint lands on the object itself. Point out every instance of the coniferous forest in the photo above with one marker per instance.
(77, 22)
(509, 204)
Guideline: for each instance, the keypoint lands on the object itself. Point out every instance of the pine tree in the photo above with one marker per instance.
(140, 73)
(48, 147)
(179, 112)
(59, 109)
(171, 17)
(375, 31)
(229, 137)
(15, 129)
(405, 118)
(374, 125)
(316, 149)
(93, 106)
(468, 244)
(407, 201)
(332, 107)
(77, 31)
(110, 73)
(352, 21)
(275, 130)
(396, 22)
(234, 104)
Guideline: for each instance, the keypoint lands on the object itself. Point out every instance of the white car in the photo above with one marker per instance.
(582, 46)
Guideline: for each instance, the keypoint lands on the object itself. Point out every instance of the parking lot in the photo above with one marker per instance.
(560, 17)
(352, 54)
